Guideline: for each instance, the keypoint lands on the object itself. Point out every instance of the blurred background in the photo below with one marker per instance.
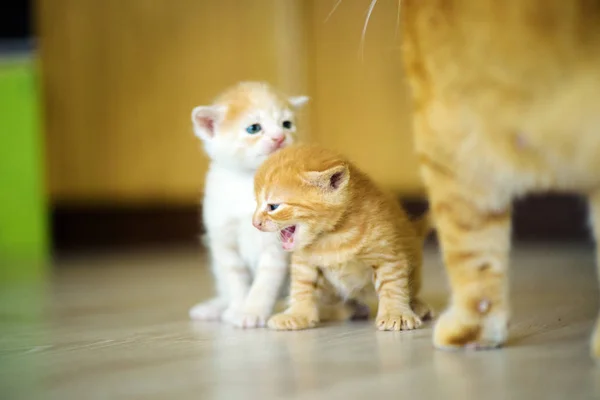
(97, 150)
(101, 181)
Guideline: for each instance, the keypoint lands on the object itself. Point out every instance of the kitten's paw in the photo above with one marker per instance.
(401, 321)
(360, 311)
(211, 310)
(244, 319)
(456, 329)
(422, 309)
(291, 322)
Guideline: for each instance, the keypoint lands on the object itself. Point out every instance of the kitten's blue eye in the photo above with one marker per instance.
(273, 207)
(253, 129)
(287, 124)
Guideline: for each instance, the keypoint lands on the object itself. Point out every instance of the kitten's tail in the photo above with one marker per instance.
(423, 225)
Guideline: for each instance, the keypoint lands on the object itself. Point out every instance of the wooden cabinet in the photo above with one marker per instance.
(121, 77)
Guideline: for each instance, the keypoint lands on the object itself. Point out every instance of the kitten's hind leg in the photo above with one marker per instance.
(352, 309)
(210, 310)
(594, 202)
(331, 306)
(422, 309)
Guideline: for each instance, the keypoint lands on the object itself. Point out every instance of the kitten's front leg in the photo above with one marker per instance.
(258, 306)
(233, 275)
(303, 311)
(230, 276)
(392, 284)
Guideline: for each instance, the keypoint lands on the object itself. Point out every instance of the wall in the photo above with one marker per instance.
(362, 105)
(120, 79)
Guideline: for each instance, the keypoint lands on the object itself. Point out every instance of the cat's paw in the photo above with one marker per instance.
(211, 310)
(245, 319)
(291, 322)
(400, 321)
(456, 329)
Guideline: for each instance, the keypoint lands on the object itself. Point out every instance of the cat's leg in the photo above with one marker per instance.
(392, 284)
(212, 310)
(473, 226)
(232, 276)
(303, 311)
(594, 201)
(258, 306)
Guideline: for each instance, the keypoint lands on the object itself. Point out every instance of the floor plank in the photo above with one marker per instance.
(116, 326)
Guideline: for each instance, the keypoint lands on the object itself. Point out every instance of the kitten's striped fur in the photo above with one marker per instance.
(347, 233)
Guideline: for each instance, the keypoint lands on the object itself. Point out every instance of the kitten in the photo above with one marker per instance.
(244, 126)
(506, 103)
(341, 229)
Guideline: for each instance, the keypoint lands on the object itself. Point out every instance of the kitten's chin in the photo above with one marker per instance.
(276, 147)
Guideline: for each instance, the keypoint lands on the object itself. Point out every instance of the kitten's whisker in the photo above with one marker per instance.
(333, 10)
(364, 31)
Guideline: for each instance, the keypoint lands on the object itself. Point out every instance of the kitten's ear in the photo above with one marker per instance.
(333, 178)
(298, 101)
(206, 119)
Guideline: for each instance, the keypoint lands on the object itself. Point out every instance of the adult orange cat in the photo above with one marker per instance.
(507, 102)
(342, 230)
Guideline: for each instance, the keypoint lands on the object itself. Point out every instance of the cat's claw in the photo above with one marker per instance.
(291, 322)
(243, 319)
(211, 310)
(453, 332)
(398, 321)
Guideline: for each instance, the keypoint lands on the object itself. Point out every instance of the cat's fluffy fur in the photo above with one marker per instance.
(506, 103)
(249, 266)
(344, 232)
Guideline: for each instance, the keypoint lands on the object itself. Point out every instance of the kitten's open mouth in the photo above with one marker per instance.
(287, 237)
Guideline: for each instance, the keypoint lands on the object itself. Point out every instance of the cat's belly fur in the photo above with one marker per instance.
(516, 108)
(351, 279)
(526, 155)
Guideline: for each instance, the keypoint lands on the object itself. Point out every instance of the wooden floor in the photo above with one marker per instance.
(116, 327)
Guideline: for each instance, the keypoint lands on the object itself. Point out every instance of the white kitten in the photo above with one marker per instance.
(239, 131)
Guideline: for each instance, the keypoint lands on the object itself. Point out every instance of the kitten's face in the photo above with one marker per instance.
(247, 124)
(300, 199)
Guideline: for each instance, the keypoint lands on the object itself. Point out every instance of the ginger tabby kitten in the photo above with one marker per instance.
(344, 232)
(506, 100)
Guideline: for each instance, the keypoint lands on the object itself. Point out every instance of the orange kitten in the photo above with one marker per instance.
(506, 103)
(344, 232)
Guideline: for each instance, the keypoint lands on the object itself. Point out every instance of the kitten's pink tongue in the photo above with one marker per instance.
(287, 237)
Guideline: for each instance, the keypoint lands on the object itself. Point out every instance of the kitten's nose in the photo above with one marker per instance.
(257, 223)
(278, 139)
